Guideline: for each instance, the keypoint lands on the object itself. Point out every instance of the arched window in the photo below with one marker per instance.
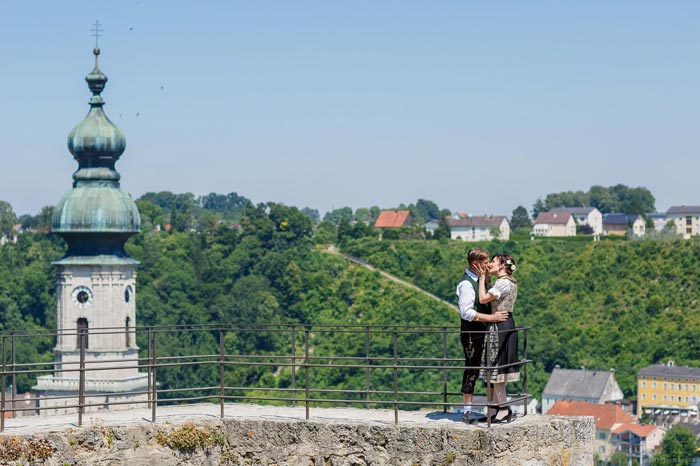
(83, 331)
(127, 334)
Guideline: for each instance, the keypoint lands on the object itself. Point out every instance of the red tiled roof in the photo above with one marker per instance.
(478, 221)
(556, 218)
(639, 430)
(605, 415)
(392, 218)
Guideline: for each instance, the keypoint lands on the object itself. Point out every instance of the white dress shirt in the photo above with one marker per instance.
(466, 297)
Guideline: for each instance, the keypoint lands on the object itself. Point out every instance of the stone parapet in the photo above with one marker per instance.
(330, 438)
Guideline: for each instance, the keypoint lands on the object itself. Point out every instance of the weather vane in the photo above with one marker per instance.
(96, 31)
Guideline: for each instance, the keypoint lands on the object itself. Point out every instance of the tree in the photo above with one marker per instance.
(443, 231)
(678, 447)
(7, 218)
(326, 233)
(425, 210)
(338, 215)
(537, 207)
(363, 214)
(343, 230)
(619, 458)
(520, 219)
(312, 214)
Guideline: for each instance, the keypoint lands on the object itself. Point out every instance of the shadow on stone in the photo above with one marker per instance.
(440, 416)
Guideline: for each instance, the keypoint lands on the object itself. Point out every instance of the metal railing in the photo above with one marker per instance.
(287, 365)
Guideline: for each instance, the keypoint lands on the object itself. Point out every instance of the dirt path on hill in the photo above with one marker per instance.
(333, 250)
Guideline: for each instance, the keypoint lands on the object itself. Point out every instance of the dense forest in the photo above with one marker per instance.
(599, 305)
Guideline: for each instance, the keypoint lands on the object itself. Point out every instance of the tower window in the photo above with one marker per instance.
(127, 333)
(82, 331)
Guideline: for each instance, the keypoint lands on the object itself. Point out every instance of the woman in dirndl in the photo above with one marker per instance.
(501, 349)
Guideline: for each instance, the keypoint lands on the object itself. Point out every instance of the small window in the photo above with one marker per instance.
(82, 325)
(127, 332)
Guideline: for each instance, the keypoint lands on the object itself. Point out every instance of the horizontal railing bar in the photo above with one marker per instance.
(322, 328)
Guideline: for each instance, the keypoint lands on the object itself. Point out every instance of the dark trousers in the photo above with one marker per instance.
(473, 345)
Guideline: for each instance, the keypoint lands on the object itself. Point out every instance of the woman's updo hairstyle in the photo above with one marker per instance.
(507, 261)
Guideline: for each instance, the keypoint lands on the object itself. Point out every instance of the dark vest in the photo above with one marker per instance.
(466, 325)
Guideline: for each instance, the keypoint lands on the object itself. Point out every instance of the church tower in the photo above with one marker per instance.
(96, 280)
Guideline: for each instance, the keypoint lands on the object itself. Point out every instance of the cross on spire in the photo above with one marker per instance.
(96, 30)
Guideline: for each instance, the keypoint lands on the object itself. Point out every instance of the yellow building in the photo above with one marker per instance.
(668, 390)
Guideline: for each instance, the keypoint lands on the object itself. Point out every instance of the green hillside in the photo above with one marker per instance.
(612, 304)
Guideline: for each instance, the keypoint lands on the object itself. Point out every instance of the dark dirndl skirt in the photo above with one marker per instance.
(501, 348)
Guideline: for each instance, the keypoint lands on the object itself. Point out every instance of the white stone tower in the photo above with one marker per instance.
(96, 280)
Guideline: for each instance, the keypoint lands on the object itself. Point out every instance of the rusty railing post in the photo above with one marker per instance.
(306, 370)
(444, 369)
(81, 377)
(367, 370)
(221, 371)
(525, 371)
(294, 365)
(396, 379)
(489, 383)
(13, 391)
(154, 384)
(4, 383)
(148, 364)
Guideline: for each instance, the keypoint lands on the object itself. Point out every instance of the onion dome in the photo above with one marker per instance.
(96, 217)
(96, 143)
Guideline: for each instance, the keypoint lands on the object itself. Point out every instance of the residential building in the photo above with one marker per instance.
(580, 385)
(554, 224)
(659, 219)
(480, 228)
(615, 430)
(621, 224)
(686, 218)
(589, 216)
(431, 225)
(638, 441)
(668, 392)
(393, 219)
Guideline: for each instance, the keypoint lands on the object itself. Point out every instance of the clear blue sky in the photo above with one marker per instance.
(480, 106)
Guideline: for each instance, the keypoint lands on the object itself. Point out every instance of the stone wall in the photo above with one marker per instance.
(530, 441)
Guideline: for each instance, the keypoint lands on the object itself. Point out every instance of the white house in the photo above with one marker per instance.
(686, 218)
(554, 224)
(480, 228)
(585, 216)
(659, 219)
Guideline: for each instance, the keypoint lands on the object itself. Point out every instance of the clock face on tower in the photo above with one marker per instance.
(82, 297)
